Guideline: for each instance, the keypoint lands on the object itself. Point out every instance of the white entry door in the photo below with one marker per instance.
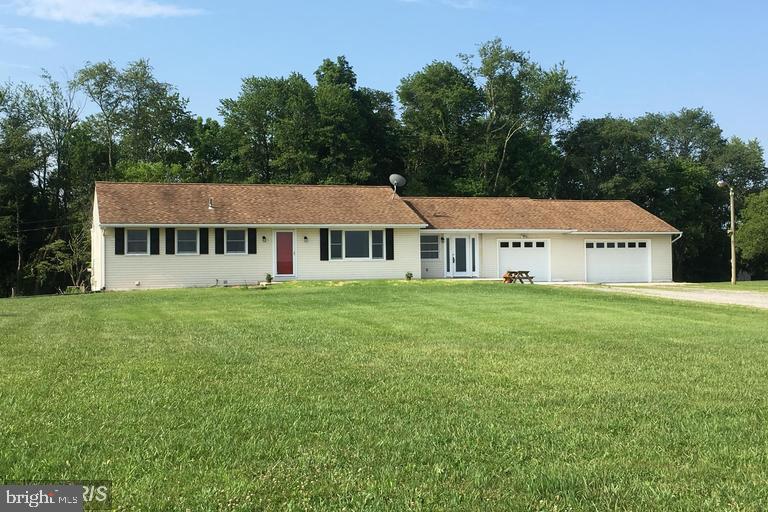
(618, 261)
(530, 255)
(460, 256)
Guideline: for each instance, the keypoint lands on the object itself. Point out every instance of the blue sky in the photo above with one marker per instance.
(629, 58)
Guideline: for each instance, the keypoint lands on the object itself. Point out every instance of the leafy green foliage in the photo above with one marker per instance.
(668, 164)
(752, 233)
(492, 123)
(70, 257)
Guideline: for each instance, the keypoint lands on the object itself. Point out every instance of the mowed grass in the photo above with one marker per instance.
(751, 286)
(389, 396)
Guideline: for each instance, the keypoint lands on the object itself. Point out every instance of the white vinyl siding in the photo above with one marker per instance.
(309, 265)
(568, 254)
(169, 271)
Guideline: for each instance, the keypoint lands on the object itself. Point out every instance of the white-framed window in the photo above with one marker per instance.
(357, 244)
(616, 245)
(337, 245)
(186, 241)
(377, 244)
(136, 241)
(234, 241)
(430, 247)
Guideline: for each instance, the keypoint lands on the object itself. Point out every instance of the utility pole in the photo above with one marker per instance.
(732, 231)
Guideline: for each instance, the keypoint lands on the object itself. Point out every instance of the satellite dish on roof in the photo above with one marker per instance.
(397, 181)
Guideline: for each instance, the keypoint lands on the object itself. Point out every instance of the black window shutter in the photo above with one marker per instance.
(203, 240)
(219, 240)
(119, 240)
(170, 241)
(154, 240)
(251, 240)
(323, 244)
(390, 236)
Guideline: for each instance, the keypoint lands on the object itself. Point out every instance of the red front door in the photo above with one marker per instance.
(284, 253)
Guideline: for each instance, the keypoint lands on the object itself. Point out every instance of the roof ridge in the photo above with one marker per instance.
(465, 197)
(324, 185)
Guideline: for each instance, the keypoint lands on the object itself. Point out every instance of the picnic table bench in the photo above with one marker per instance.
(518, 276)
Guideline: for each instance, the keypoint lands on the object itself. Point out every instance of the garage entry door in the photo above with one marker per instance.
(531, 255)
(613, 261)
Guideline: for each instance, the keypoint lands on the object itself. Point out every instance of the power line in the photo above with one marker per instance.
(49, 227)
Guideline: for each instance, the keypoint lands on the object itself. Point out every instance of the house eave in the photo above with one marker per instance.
(251, 225)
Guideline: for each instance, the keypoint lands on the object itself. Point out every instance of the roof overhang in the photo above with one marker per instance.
(608, 233)
(554, 231)
(276, 226)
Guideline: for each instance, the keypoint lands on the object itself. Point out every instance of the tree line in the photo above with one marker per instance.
(492, 123)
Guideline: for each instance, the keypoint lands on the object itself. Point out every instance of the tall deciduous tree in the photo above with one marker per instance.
(57, 111)
(440, 106)
(752, 235)
(518, 94)
(19, 159)
(101, 83)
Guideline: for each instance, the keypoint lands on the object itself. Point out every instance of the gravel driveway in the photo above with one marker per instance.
(753, 299)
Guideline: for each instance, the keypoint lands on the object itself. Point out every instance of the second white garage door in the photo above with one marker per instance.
(531, 255)
(618, 261)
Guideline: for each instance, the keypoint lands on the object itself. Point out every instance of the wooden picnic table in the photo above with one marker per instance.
(518, 276)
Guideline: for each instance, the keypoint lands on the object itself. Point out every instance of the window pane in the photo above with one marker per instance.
(590, 245)
(611, 245)
(600, 245)
(539, 244)
(377, 244)
(186, 241)
(473, 254)
(336, 245)
(137, 241)
(641, 244)
(529, 244)
(236, 241)
(515, 244)
(356, 244)
(631, 245)
(429, 247)
(621, 245)
(504, 245)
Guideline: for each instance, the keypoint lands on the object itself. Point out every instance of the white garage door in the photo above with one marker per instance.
(531, 255)
(614, 261)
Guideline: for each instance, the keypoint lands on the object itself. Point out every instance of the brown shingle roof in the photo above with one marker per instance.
(525, 213)
(156, 203)
(187, 203)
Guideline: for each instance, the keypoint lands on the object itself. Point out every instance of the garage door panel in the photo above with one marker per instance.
(531, 255)
(618, 261)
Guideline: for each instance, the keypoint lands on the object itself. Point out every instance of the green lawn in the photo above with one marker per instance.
(389, 396)
(751, 286)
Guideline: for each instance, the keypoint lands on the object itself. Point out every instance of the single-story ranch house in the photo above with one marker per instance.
(152, 235)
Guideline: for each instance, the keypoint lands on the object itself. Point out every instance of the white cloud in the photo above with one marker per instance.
(23, 37)
(99, 12)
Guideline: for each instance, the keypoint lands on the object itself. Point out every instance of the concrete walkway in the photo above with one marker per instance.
(739, 298)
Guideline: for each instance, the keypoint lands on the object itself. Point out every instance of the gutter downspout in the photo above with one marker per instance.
(679, 236)
(103, 259)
